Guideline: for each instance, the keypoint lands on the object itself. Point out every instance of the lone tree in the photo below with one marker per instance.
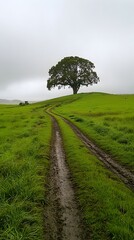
(73, 72)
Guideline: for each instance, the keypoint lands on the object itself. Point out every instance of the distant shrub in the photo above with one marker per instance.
(21, 104)
(24, 103)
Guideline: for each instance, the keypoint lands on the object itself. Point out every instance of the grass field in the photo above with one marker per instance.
(106, 205)
(107, 119)
(25, 134)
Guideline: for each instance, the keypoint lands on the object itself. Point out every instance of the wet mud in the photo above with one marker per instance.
(62, 219)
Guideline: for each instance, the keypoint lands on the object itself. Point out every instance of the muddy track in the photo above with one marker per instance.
(124, 174)
(62, 221)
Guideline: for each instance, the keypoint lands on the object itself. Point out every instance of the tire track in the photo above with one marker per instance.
(62, 221)
(124, 174)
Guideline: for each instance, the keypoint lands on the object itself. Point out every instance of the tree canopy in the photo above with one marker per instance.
(73, 72)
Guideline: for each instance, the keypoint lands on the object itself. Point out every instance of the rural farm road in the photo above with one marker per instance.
(62, 221)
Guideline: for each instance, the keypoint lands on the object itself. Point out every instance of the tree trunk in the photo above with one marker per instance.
(75, 89)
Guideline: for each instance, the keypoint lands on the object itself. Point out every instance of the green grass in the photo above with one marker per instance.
(25, 134)
(107, 206)
(107, 119)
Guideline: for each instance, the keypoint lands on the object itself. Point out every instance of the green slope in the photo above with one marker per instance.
(25, 134)
(107, 119)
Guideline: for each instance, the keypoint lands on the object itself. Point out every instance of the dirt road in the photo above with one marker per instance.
(62, 219)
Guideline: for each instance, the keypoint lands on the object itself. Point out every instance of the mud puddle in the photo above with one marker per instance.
(62, 219)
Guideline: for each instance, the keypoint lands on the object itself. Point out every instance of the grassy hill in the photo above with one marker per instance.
(107, 119)
(25, 143)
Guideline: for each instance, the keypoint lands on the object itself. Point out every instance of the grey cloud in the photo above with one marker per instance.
(35, 34)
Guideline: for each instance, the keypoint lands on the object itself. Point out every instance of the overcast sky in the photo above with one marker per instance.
(36, 34)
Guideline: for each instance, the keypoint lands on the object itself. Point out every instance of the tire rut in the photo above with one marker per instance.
(125, 175)
(62, 221)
